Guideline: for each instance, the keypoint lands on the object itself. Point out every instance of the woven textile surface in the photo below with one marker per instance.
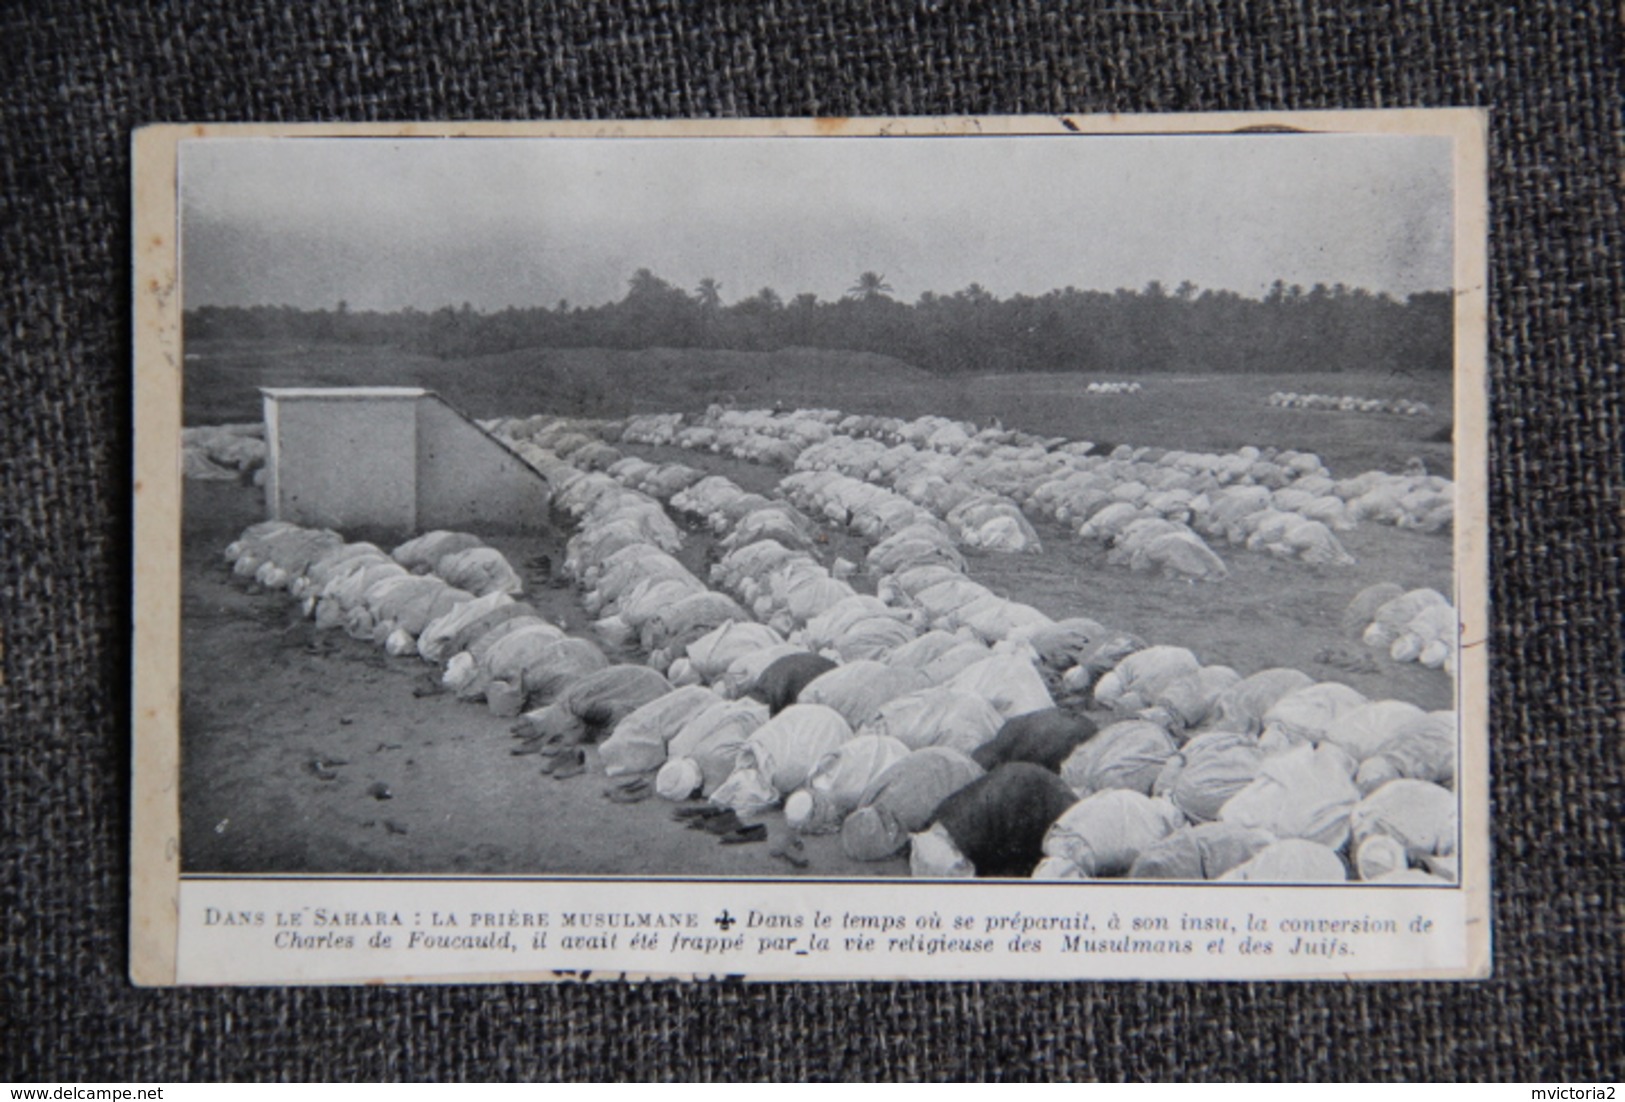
(80, 76)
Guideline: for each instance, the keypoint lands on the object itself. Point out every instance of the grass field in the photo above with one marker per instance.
(1205, 412)
(222, 377)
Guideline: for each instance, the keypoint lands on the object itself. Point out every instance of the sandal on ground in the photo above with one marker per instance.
(704, 811)
(569, 765)
(634, 791)
(726, 823)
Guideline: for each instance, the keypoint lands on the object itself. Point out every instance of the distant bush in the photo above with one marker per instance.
(1324, 329)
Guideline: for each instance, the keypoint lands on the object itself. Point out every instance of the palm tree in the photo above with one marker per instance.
(870, 286)
(708, 294)
(975, 294)
(645, 284)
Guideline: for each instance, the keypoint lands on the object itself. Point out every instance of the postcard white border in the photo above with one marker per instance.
(170, 943)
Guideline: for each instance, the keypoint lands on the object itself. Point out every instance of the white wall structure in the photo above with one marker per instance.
(394, 460)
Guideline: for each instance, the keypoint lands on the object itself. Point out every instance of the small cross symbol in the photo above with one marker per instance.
(725, 920)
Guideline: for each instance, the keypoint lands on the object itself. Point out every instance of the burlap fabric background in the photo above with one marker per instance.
(78, 76)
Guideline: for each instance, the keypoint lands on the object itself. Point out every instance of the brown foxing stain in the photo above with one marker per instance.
(832, 124)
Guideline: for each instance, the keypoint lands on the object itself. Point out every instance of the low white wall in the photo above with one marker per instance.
(392, 460)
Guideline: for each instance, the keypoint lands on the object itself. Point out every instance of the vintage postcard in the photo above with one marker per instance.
(984, 548)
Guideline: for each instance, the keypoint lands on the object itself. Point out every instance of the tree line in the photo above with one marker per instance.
(1183, 330)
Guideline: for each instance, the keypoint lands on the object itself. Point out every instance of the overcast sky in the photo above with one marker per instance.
(385, 223)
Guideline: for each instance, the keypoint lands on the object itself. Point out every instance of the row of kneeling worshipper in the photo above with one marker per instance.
(1291, 505)
(877, 710)
(1285, 779)
(951, 690)
(1348, 403)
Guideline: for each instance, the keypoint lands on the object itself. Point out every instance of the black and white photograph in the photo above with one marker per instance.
(1071, 509)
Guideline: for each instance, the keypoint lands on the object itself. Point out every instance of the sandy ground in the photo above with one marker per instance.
(271, 708)
(288, 733)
